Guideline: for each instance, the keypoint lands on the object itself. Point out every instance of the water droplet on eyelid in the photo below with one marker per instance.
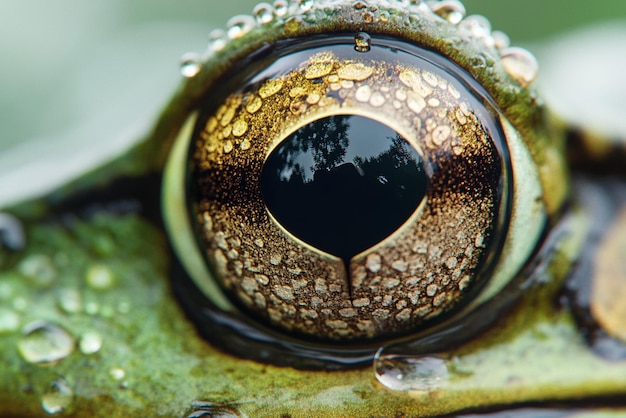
(190, 65)
(451, 10)
(217, 40)
(407, 373)
(58, 398)
(280, 8)
(305, 5)
(43, 342)
(501, 39)
(264, 13)
(520, 64)
(362, 42)
(239, 26)
(478, 27)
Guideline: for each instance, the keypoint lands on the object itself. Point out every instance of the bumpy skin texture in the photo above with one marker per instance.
(93, 263)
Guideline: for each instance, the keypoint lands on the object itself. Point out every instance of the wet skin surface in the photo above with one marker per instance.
(92, 323)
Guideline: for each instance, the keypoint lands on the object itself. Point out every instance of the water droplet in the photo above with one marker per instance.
(117, 373)
(12, 234)
(20, 304)
(70, 300)
(38, 268)
(58, 398)
(281, 7)
(92, 308)
(478, 27)
(362, 42)
(90, 342)
(9, 320)
(43, 342)
(264, 13)
(239, 26)
(100, 277)
(501, 39)
(190, 65)
(217, 40)
(451, 10)
(305, 6)
(406, 373)
(520, 64)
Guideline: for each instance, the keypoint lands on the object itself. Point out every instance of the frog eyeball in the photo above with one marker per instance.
(348, 195)
(355, 172)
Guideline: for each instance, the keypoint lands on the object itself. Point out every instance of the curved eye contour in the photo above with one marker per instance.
(342, 192)
(336, 186)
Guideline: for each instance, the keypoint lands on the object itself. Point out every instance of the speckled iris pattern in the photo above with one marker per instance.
(423, 268)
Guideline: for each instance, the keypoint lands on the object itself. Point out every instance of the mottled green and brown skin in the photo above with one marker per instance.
(535, 353)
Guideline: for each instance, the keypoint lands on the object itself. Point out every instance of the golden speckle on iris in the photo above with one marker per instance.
(421, 268)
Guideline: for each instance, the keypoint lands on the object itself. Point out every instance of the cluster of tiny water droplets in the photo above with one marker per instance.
(406, 373)
(519, 63)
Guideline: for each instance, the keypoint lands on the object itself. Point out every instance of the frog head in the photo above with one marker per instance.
(175, 281)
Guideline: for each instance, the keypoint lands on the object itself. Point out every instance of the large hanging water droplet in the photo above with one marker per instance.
(190, 65)
(362, 42)
(406, 373)
(58, 398)
(322, 183)
(520, 64)
(43, 342)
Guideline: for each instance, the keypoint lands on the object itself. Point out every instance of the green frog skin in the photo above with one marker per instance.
(112, 304)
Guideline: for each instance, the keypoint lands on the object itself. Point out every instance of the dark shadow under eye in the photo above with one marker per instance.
(343, 183)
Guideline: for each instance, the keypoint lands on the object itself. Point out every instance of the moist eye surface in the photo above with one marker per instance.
(343, 183)
(343, 194)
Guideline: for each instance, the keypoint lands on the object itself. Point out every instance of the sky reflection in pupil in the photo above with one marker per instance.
(343, 183)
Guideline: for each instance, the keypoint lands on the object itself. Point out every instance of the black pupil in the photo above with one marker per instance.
(343, 183)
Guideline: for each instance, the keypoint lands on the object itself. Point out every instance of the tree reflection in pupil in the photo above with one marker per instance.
(343, 183)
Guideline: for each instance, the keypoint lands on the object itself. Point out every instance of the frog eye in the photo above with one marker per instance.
(341, 184)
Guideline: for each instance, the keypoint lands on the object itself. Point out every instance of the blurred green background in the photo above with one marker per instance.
(76, 73)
